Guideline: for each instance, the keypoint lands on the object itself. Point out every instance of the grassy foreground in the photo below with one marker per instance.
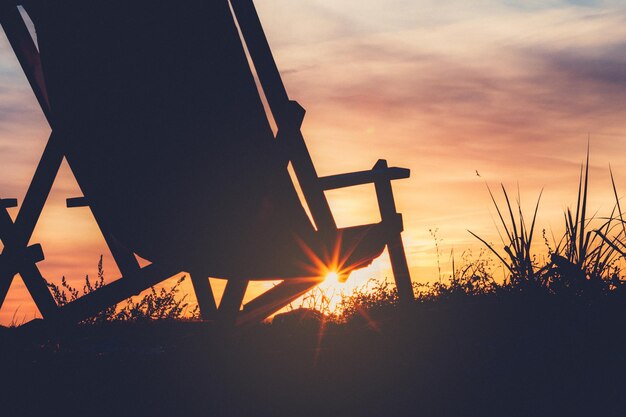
(514, 354)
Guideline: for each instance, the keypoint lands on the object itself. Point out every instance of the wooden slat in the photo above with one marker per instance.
(124, 258)
(204, 295)
(7, 273)
(8, 203)
(287, 114)
(363, 177)
(38, 190)
(26, 53)
(274, 299)
(233, 295)
(264, 62)
(232, 298)
(76, 202)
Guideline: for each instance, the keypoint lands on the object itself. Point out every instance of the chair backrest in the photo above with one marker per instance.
(164, 128)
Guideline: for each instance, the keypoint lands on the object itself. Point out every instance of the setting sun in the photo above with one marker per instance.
(332, 276)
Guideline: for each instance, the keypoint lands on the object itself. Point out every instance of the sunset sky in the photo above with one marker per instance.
(508, 90)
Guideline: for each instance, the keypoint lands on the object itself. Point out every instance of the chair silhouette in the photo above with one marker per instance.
(155, 108)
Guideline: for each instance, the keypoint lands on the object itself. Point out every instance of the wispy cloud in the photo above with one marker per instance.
(448, 88)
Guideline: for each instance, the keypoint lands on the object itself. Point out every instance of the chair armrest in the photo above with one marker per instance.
(332, 182)
(8, 202)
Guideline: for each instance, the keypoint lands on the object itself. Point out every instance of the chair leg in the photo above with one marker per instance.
(204, 295)
(27, 268)
(6, 277)
(400, 268)
(231, 300)
(388, 214)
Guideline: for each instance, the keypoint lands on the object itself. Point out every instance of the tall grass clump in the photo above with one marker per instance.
(586, 261)
(523, 268)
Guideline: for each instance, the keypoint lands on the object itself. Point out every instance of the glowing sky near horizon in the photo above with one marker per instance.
(507, 90)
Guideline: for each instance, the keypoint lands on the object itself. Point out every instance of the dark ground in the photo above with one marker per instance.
(478, 356)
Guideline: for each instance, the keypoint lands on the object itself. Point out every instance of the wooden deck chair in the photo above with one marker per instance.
(155, 108)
